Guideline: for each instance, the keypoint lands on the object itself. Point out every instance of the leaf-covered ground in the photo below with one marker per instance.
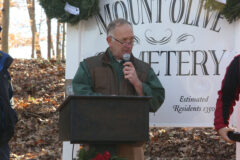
(39, 91)
(188, 144)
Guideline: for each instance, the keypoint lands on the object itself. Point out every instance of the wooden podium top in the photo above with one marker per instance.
(116, 97)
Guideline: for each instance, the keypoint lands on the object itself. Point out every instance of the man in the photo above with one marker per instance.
(228, 95)
(109, 74)
(8, 116)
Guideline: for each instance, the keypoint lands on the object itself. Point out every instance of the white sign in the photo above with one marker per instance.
(188, 47)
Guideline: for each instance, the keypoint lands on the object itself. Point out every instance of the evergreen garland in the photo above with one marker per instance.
(231, 11)
(55, 9)
(88, 8)
(214, 5)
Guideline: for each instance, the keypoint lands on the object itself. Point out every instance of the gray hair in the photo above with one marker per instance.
(117, 22)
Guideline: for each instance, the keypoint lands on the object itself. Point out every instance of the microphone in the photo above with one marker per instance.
(235, 136)
(126, 57)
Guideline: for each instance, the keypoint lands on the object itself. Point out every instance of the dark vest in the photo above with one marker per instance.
(104, 79)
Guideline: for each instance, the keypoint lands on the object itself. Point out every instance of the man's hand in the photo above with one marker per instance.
(223, 133)
(130, 74)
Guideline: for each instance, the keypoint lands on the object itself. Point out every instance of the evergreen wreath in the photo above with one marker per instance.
(55, 9)
(214, 5)
(92, 155)
(231, 11)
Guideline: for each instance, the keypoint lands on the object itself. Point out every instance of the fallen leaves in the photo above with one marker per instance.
(39, 91)
(188, 143)
(39, 87)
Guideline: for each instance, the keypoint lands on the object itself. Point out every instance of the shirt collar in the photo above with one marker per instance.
(112, 58)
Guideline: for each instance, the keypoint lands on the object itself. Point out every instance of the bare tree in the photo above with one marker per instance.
(35, 35)
(53, 52)
(5, 25)
(49, 38)
(63, 42)
(58, 41)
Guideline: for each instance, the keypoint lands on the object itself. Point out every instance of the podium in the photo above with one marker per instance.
(104, 119)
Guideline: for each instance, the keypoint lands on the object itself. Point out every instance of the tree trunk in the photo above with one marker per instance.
(53, 53)
(5, 25)
(63, 42)
(49, 38)
(35, 35)
(58, 41)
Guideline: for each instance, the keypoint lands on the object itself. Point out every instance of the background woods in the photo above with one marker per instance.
(26, 28)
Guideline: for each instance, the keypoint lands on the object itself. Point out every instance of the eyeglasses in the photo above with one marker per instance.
(125, 43)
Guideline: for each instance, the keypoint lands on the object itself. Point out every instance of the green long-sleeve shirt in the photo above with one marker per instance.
(152, 87)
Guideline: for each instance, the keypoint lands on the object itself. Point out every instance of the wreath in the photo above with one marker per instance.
(92, 155)
(70, 11)
(231, 10)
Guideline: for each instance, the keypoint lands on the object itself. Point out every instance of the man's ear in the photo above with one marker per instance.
(109, 40)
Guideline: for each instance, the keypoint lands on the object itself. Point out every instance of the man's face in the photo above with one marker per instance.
(122, 41)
